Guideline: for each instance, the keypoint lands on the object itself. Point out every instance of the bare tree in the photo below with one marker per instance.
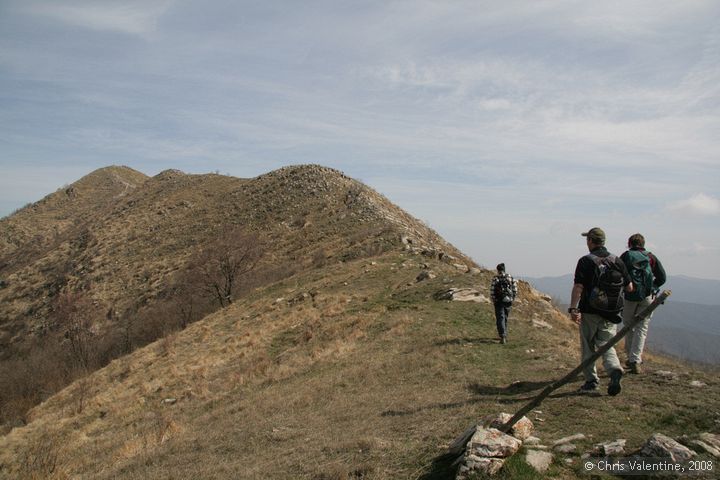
(186, 298)
(74, 313)
(225, 263)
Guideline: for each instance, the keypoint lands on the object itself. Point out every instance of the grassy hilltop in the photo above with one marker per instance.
(343, 367)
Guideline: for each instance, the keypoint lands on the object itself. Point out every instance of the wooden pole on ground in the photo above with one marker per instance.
(659, 300)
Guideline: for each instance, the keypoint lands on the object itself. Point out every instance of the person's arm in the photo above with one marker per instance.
(658, 273)
(492, 289)
(575, 314)
(629, 285)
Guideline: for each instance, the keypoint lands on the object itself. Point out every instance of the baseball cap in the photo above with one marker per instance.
(596, 233)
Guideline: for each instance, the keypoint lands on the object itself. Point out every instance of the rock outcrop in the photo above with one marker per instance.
(487, 448)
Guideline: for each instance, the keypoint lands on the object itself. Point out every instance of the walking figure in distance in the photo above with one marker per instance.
(503, 290)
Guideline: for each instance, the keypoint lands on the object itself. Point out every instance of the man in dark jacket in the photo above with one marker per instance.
(503, 290)
(596, 322)
(648, 276)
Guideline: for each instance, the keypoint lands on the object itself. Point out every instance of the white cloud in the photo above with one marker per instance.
(634, 19)
(694, 249)
(133, 18)
(505, 104)
(699, 204)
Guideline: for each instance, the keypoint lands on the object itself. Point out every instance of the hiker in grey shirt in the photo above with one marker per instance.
(648, 275)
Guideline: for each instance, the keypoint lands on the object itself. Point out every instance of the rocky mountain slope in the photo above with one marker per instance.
(117, 260)
(121, 238)
(354, 365)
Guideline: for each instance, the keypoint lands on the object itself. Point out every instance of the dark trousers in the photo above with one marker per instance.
(502, 312)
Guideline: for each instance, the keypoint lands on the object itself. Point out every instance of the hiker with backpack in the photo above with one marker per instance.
(648, 275)
(596, 305)
(503, 290)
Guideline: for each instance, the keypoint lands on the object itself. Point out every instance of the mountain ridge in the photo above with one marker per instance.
(170, 213)
(344, 365)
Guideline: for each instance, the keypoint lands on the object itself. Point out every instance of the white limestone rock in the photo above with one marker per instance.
(491, 442)
(539, 460)
(662, 446)
(522, 430)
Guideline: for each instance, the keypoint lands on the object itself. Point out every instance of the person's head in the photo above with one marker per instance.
(636, 241)
(595, 237)
(501, 268)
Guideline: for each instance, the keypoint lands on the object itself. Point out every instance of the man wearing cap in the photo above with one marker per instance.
(597, 327)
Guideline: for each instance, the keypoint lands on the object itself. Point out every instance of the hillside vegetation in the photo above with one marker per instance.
(117, 260)
(343, 367)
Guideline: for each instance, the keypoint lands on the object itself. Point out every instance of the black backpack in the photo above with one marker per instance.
(503, 291)
(606, 294)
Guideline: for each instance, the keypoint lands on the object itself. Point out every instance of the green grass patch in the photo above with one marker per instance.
(282, 342)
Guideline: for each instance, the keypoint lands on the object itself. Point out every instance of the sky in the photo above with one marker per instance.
(509, 127)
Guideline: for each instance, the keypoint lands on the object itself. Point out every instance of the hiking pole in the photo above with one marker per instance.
(659, 300)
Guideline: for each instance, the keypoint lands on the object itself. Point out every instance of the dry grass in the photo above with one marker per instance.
(340, 366)
(343, 373)
(128, 251)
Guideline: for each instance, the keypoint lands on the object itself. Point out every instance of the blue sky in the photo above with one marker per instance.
(508, 126)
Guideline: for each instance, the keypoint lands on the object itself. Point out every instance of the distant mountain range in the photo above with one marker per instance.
(687, 326)
(684, 289)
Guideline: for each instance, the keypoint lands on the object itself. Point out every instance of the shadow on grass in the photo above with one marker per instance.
(441, 468)
(479, 390)
(512, 389)
(439, 406)
(466, 341)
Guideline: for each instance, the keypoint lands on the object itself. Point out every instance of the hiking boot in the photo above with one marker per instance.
(634, 367)
(503, 340)
(588, 387)
(614, 386)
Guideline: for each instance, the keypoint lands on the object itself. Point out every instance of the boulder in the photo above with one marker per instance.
(662, 446)
(425, 275)
(666, 374)
(570, 439)
(705, 447)
(522, 430)
(539, 460)
(566, 448)
(707, 442)
(461, 295)
(610, 449)
(532, 441)
(541, 324)
(474, 465)
(491, 442)
(710, 438)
